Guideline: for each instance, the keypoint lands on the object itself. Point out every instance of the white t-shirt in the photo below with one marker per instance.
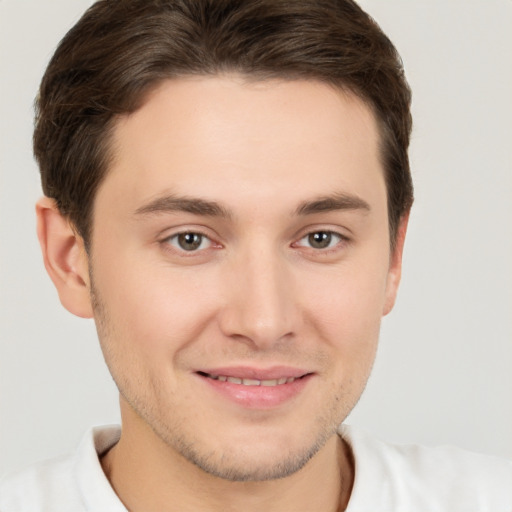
(388, 478)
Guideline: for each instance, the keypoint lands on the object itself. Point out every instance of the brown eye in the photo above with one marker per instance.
(189, 241)
(320, 239)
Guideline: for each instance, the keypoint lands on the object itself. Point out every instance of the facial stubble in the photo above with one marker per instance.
(174, 433)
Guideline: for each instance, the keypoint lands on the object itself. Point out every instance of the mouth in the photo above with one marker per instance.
(252, 388)
(251, 381)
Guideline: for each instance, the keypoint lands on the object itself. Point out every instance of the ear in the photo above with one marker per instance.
(64, 257)
(395, 266)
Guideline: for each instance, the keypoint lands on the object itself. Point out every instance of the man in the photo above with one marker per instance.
(227, 193)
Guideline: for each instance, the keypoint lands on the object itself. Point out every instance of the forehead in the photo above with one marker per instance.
(223, 136)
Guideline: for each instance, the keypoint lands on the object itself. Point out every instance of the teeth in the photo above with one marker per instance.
(253, 382)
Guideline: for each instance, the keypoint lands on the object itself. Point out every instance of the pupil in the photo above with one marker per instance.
(320, 240)
(190, 241)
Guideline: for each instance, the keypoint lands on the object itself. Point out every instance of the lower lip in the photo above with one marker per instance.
(257, 397)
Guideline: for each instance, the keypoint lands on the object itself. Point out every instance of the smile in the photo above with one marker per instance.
(259, 389)
(252, 382)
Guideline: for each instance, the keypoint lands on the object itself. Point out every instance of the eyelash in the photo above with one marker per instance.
(174, 241)
(175, 238)
(331, 235)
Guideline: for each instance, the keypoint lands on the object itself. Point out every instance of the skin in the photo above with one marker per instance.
(257, 292)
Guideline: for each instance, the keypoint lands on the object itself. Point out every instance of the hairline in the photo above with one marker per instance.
(146, 92)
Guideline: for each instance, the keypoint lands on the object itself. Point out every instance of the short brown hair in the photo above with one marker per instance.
(119, 49)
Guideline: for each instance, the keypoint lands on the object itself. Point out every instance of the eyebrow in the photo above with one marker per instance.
(198, 206)
(171, 203)
(334, 202)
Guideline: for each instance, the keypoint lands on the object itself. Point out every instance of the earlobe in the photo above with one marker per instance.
(64, 257)
(395, 266)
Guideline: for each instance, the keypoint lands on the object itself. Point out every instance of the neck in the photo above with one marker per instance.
(150, 476)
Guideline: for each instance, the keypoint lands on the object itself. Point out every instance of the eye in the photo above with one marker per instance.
(189, 241)
(321, 240)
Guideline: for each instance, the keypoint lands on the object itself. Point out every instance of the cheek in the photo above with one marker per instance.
(348, 300)
(153, 305)
(345, 307)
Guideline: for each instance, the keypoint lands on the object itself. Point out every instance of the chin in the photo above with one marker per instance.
(253, 461)
(242, 467)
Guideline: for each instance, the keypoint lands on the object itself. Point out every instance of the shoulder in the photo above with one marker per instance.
(40, 487)
(73, 483)
(413, 477)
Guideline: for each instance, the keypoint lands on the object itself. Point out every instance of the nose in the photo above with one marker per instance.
(261, 306)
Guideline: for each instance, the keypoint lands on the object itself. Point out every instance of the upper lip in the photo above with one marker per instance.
(250, 372)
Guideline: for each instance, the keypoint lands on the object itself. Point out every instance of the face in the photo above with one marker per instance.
(240, 268)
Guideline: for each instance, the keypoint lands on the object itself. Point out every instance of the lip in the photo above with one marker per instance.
(248, 372)
(256, 396)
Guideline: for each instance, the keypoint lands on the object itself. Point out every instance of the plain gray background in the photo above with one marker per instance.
(444, 369)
